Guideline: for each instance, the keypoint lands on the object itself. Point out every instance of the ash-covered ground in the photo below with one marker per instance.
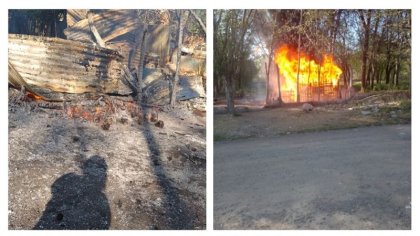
(67, 173)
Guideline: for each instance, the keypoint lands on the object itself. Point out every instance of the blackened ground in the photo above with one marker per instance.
(154, 177)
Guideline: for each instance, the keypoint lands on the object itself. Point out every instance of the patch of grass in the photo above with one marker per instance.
(329, 127)
(357, 86)
(222, 137)
(403, 85)
(219, 137)
(380, 87)
(405, 105)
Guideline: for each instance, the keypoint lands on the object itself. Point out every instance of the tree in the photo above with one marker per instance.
(298, 50)
(182, 22)
(230, 47)
(370, 46)
(200, 22)
(365, 19)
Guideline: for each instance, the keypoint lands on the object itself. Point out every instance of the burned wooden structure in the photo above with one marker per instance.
(101, 55)
(312, 93)
(120, 30)
(58, 65)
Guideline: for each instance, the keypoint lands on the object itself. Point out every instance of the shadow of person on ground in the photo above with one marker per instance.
(77, 201)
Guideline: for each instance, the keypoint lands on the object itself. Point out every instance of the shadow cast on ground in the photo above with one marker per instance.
(78, 201)
(178, 216)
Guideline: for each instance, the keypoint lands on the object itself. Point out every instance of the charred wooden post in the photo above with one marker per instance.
(140, 84)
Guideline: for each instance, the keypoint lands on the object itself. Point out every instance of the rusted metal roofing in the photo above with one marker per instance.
(119, 29)
(110, 24)
(75, 15)
(67, 66)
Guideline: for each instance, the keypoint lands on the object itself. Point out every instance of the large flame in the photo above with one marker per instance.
(287, 60)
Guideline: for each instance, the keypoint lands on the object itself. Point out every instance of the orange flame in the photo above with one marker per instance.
(34, 96)
(287, 60)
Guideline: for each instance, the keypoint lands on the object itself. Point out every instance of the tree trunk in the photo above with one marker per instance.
(388, 72)
(279, 84)
(267, 84)
(319, 78)
(200, 22)
(366, 27)
(298, 72)
(397, 71)
(309, 86)
(245, 23)
(398, 63)
(229, 95)
(182, 22)
(375, 49)
(369, 75)
(140, 67)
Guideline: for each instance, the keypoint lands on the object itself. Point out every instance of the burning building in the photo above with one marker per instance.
(303, 78)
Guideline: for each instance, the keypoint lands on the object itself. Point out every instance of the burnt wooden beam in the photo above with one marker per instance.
(94, 30)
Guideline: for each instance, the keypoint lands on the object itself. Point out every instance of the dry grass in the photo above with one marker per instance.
(383, 109)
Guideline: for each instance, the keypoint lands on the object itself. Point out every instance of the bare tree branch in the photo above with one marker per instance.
(200, 22)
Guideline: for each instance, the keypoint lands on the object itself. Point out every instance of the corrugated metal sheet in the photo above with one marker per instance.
(109, 23)
(66, 66)
(119, 29)
(75, 15)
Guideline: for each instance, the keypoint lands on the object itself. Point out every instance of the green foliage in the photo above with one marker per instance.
(193, 26)
(381, 86)
(232, 50)
(405, 105)
(339, 32)
(403, 85)
(357, 86)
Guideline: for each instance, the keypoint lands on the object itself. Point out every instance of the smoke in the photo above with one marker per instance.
(260, 84)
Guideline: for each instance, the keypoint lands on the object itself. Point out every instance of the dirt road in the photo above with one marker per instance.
(346, 179)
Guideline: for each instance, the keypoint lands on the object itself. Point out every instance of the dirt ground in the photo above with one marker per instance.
(252, 120)
(71, 174)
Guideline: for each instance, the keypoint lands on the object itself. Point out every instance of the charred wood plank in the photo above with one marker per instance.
(94, 30)
(157, 91)
(111, 24)
(130, 80)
